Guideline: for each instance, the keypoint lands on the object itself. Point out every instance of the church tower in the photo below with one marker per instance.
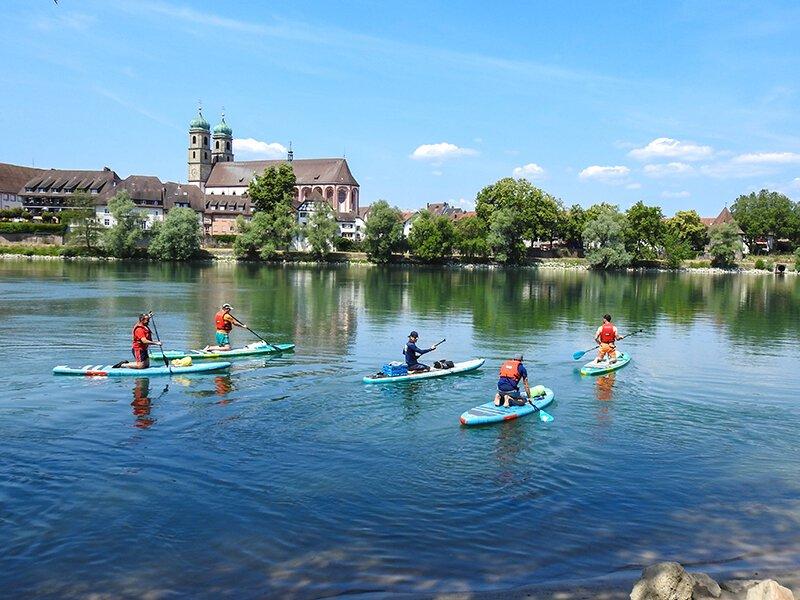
(199, 150)
(222, 142)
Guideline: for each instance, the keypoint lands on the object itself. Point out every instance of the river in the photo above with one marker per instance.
(290, 478)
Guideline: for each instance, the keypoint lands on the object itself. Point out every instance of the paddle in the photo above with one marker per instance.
(577, 355)
(437, 344)
(160, 346)
(544, 416)
(258, 336)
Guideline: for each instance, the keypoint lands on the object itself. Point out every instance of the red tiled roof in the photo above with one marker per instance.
(14, 177)
(307, 171)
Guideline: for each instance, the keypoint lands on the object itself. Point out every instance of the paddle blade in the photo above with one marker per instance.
(545, 417)
(577, 355)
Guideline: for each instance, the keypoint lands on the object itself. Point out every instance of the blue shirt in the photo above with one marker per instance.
(412, 353)
(506, 384)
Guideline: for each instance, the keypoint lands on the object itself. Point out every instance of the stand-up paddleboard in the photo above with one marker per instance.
(593, 368)
(249, 350)
(110, 371)
(489, 413)
(459, 367)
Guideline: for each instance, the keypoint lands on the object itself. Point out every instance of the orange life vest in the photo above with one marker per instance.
(607, 334)
(140, 331)
(510, 369)
(221, 323)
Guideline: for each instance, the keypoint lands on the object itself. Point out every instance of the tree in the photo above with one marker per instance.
(540, 214)
(178, 237)
(676, 250)
(505, 237)
(273, 187)
(470, 238)
(574, 222)
(82, 220)
(595, 210)
(604, 239)
(431, 238)
(724, 244)
(122, 239)
(687, 225)
(383, 232)
(267, 233)
(644, 231)
(766, 213)
(322, 230)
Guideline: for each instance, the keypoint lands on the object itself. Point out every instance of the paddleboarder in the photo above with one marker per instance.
(511, 372)
(224, 321)
(607, 336)
(142, 338)
(412, 353)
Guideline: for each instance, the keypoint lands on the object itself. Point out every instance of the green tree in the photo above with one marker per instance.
(688, 226)
(724, 244)
(595, 210)
(431, 238)
(267, 233)
(766, 213)
(272, 188)
(505, 239)
(122, 239)
(383, 232)
(574, 223)
(644, 231)
(539, 214)
(322, 230)
(676, 249)
(604, 239)
(470, 240)
(178, 237)
(797, 260)
(82, 220)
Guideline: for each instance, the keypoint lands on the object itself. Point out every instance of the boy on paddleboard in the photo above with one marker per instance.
(511, 372)
(142, 338)
(606, 336)
(224, 322)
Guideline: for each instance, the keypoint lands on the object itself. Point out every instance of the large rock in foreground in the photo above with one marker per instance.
(664, 581)
(769, 590)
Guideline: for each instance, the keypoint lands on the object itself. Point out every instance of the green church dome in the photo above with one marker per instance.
(223, 128)
(199, 122)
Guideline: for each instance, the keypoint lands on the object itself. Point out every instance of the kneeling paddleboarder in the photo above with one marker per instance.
(142, 338)
(224, 322)
(511, 372)
(412, 354)
(607, 336)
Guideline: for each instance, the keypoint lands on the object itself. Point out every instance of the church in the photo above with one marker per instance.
(224, 181)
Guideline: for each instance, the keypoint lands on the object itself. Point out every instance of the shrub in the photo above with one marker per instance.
(603, 240)
(224, 238)
(724, 245)
(32, 227)
(177, 237)
(797, 260)
(343, 244)
(760, 265)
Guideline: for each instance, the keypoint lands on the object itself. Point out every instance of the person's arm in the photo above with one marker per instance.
(597, 335)
(234, 321)
(617, 337)
(527, 387)
(147, 341)
(416, 350)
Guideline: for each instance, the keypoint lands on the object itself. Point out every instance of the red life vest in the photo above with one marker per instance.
(510, 369)
(607, 334)
(140, 331)
(221, 323)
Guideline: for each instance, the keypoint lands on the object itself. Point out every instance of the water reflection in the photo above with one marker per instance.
(142, 404)
(604, 387)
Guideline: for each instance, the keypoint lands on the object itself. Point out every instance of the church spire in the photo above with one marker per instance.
(290, 154)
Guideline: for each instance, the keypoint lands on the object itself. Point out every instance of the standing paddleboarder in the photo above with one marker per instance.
(607, 336)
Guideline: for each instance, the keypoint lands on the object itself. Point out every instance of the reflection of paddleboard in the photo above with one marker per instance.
(459, 367)
(593, 368)
(489, 413)
(110, 371)
(249, 350)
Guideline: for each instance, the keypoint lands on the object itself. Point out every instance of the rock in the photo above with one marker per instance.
(664, 581)
(769, 590)
(704, 587)
(738, 586)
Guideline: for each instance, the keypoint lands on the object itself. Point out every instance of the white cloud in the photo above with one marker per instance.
(664, 170)
(633, 186)
(531, 171)
(665, 147)
(683, 194)
(732, 170)
(258, 149)
(437, 173)
(604, 173)
(441, 151)
(760, 158)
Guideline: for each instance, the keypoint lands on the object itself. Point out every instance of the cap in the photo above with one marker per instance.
(226, 305)
(518, 357)
(413, 334)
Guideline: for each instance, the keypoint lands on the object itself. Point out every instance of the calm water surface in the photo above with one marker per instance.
(290, 478)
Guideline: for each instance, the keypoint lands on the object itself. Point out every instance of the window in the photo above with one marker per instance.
(205, 155)
(194, 154)
(205, 141)
(107, 222)
(234, 192)
(228, 144)
(216, 144)
(194, 140)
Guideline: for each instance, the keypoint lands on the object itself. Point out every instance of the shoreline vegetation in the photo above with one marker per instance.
(754, 266)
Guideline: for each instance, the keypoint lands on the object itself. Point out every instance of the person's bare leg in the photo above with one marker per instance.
(497, 399)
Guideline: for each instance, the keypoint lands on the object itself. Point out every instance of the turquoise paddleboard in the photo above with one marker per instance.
(249, 350)
(593, 368)
(110, 371)
(459, 367)
(489, 413)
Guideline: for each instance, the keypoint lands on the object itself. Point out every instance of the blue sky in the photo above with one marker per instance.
(680, 104)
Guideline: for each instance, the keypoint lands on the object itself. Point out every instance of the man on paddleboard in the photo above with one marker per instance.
(224, 322)
(142, 338)
(511, 372)
(412, 353)
(606, 336)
